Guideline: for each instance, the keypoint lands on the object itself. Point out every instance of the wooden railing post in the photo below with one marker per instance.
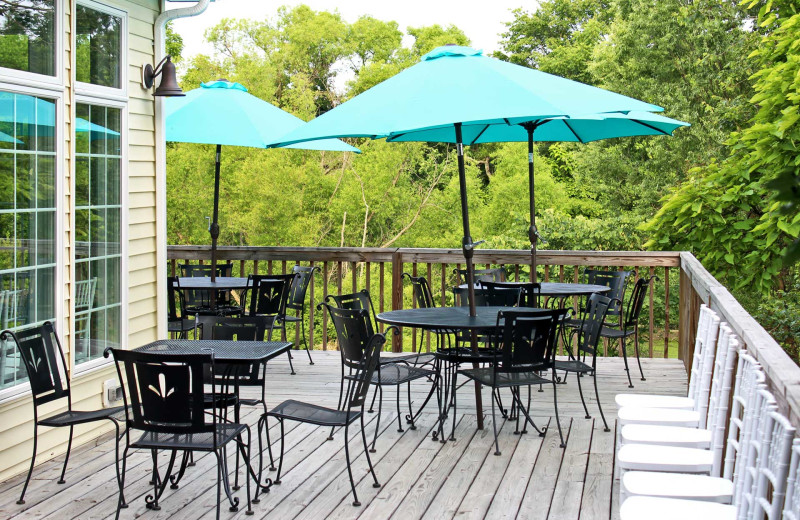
(397, 295)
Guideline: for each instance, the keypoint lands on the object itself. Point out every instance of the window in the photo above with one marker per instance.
(98, 47)
(28, 134)
(27, 36)
(98, 268)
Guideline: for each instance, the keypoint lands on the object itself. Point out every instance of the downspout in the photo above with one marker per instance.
(160, 34)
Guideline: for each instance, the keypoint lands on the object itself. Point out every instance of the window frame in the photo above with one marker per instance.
(101, 362)
(43, 81)
(99, 91)
(20, 389)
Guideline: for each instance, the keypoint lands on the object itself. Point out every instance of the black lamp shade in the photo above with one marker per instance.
(169, 82)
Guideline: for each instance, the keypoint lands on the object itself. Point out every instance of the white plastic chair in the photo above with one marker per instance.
(791, 505)
(671, 459)
(724, 366)
(760, 495)
(697, 416)
(706, 335)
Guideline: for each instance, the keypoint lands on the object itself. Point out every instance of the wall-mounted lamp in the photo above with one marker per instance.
(169, 82)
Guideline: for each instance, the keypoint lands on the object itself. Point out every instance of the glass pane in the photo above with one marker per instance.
(98, 276)
(114, 274)
(112, 231)
(27, 31)
(113, 324)
(81, 234)
(6, 180)
(98, 47)
(45, 181)
(45, 125)
(113, 125)
(24, 116)
(45, 296)
(81, 128)
(112, 188)
(97, 186)
(25, 227)
(97, 233)
(96, 128)
(45, 238)
(81, 181)
(6, 242)
(26, 180)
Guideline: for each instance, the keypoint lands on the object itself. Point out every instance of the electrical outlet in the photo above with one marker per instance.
(112, 393)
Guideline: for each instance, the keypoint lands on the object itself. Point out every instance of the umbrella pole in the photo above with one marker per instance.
(533, 232)
(214, 228)
(469, 249)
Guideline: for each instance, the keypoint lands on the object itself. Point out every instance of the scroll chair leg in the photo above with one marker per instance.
(219, 483)
(66, 458)
(555, 406)
(494, 427)
(455, 407)
(280, 459)
(291, 367)
(599, 406)
(410, 417)
(528, 420)
(625, 358)
(377, 422)
(33, 462)
(302, 326)
(372, 404)
(583, 401)
(341, 397)
(636, 349)
(246, 456)
(236, 409)
(375, 483)
(153, 502)
(399, 414)
(349, 469)
(120, 503)
(117, 438)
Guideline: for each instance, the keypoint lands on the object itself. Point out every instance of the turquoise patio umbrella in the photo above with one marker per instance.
(456, 94)
(223, 113)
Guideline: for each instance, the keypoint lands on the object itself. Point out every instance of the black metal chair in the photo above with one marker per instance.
(526, 346)
(360, 354)
(178, 325)
(630, 325)
(497, 274)
(198, 301)
(587, 337)
(390, 372)
(297, 300)
(530, 293)
(166, 402)
(268, 297)
(44, 361)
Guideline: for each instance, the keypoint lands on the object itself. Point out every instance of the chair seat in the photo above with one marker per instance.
(313, 414)
(665, 436)
(466, 355)
(486, 376)
(180, 325)
(614, 333)
(70, 418)
(669, 459)
(219, 310)
(677, 485)
(225, 433)
(657, 508)
(414, 359)
(222, 401)
(573, 365)
(659, 416)
(653, 401)
(398, 373)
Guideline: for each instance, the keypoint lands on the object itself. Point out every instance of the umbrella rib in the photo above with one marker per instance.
(651, 127)
(566, 122)
(485, 127)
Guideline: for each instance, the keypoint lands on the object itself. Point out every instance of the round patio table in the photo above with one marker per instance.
(563, 289)
(223, 283)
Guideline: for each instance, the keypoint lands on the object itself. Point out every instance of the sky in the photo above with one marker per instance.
(482, 22)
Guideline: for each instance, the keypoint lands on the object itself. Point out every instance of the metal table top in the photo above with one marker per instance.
(449, 318)
(563, 289)
(228, 283)
(224, 350)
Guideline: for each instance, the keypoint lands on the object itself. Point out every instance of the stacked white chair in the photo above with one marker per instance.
(761, 493)
(690, 437)
(706, 335)
(791, 506)
(695, 417)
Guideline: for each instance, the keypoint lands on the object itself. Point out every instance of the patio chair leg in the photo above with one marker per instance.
(599, 407)
(339, 404)
(234, 501)
(236, 409)
(349, 469)
(303, 329)
(494, 427)
(33, 462)
(583, 401)
(372, 404)
(246, 456)
(280, 459)
(410, 417)
(377, 422)
(399, 414)
(152, 503)
(455, 407)
(219, 483)
(636, 349)
(375, 483)
(177, 478)
(291, 367)
(625, 358)
(121, 501)
(555, 406)
(117, 438)
(542, 432)
(66, 457)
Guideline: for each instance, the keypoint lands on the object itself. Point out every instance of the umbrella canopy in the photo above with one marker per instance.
(223, 113)
(5, 138)
(457, 95)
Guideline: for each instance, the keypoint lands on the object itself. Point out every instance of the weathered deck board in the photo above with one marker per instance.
(533, 478)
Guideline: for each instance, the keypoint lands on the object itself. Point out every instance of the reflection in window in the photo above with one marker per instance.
(27, 29)
(97, 230)
(98, 47)
(27, 220)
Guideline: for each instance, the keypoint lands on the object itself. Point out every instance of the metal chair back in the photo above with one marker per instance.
(269, 294)
(592, 322)
(44, 362)
(636, 301)
(164, 393)
(360, 300)
(246, 328)
(615, 280)
(528, 339)
(299, 286)
(497, 274)
(174, 299)
(421, 291)
(484, 297)
(199, 297)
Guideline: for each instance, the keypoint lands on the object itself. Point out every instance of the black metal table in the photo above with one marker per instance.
(231, 353)
(563, 289)
(222, 283)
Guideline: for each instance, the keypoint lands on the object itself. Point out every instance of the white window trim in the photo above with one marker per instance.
(42, 81)
(108, 93)
(17, 390)
(77, 370)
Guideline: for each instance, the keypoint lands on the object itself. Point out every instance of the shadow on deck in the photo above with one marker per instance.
(532, 479)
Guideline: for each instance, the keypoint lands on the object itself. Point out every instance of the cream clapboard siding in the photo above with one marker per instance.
(16, 426)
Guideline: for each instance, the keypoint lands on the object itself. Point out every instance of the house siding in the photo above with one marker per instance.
(140, 312)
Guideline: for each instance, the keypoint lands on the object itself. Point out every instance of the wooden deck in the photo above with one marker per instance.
(532, 479)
